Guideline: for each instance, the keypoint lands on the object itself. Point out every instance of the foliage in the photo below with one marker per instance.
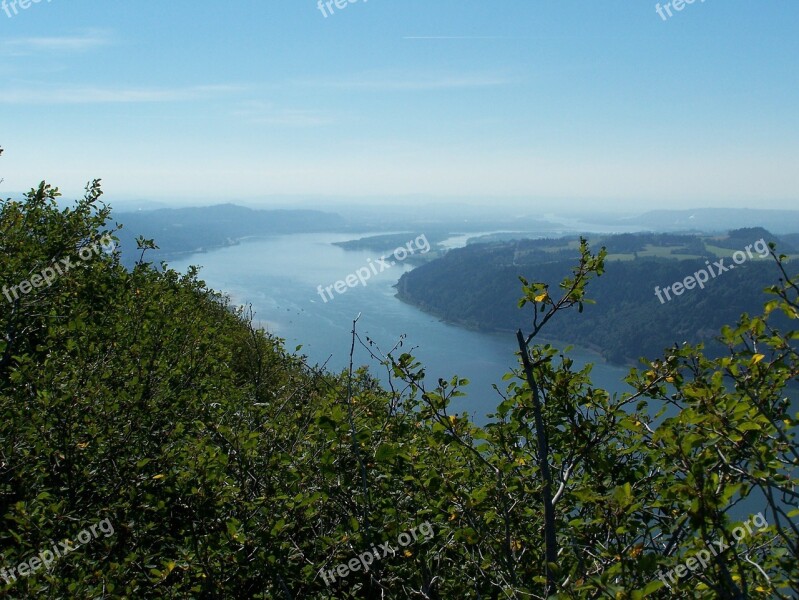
(477, 286)
(232, 469)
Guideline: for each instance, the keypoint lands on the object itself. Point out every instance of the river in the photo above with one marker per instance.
(279, 276)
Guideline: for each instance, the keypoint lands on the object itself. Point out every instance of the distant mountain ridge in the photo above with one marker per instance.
(179, 231)
(717, 219)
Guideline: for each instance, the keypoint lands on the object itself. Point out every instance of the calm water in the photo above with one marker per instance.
(279, 277)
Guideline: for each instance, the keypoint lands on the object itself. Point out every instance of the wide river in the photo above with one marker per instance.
(279, 276)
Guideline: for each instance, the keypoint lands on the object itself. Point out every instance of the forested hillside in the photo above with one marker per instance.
(477, 286)
(204, 460)
(188, 230)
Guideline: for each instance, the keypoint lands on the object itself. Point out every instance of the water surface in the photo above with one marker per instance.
(280, 276)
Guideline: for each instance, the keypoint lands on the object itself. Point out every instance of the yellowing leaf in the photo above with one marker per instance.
(541, 297)
(408, 553)
(757, 358)
(161, 476)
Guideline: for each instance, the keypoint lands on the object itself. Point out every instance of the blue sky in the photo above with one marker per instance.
(600, 104)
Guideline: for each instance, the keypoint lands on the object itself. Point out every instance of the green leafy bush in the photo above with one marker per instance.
(231, 469)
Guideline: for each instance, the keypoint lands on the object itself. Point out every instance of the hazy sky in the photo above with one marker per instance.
(600, 103)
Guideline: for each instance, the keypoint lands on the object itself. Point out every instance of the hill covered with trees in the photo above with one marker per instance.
(204, 460)
(181, 231)
(477, 286)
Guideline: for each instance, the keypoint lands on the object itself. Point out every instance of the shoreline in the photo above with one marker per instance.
(586, 347)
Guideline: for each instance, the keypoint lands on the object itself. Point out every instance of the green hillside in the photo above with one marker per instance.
(477, 286)
(171, 450)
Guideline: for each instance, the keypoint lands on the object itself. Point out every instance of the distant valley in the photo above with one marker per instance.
(477, 286)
